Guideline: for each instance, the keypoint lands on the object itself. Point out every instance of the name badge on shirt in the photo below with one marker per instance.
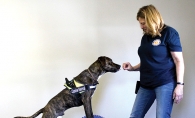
(156, 42)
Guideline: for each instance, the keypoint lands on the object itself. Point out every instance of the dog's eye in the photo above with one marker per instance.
(110, 63)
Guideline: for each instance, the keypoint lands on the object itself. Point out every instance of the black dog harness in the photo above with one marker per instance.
(82, 88)
(76, 87)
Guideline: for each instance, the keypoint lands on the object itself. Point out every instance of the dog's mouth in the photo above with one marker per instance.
(118, 67)
(115, 68)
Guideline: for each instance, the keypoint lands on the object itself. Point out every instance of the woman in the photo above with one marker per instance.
(161, 65)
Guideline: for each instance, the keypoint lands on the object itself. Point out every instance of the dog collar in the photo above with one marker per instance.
(94, 80)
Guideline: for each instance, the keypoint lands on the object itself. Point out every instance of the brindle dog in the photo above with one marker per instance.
(66, 99)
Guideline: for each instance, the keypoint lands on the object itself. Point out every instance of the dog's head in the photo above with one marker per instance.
(108, 65)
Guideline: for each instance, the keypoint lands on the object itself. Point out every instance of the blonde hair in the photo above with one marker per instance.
(153, 19)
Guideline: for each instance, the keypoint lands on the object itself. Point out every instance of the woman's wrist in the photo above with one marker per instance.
(180, 83)
(132, 69)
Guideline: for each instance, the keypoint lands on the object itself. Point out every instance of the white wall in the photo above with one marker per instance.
(42, 42)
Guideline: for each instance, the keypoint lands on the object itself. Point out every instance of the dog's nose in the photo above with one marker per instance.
(119, 66)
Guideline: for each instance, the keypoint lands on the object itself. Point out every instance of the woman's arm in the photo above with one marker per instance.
(178, 60)
(136, 67)
(179, 63)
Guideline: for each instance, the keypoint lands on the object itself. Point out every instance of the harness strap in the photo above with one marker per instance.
(78, 87)
(82, 89)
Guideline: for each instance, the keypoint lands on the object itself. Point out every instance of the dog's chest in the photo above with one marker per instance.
(99, 77)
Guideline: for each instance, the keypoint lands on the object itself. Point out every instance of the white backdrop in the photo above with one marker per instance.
(42, 42)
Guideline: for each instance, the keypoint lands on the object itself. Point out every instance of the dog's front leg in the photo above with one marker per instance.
(87, 106)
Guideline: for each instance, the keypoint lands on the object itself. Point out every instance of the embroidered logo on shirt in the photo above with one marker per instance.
(156, 42)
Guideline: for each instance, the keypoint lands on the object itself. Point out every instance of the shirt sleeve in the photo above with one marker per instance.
(174, 43)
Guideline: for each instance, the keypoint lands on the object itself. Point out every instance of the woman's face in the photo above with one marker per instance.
(142, 24)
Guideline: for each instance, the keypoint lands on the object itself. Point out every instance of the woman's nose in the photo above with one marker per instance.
(141, 26)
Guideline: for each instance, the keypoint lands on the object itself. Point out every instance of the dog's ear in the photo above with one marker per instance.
(101, 59)
(104, 58)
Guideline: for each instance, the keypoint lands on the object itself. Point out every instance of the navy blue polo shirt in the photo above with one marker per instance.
(157, 66)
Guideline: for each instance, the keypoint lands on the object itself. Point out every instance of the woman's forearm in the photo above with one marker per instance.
(179, 63)
(136, 67)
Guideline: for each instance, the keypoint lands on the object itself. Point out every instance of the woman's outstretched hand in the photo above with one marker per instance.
(127, 66)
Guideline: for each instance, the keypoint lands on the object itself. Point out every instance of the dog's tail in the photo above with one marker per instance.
(33, 116)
